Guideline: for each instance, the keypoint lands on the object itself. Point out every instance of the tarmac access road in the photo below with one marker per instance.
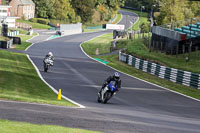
(139, 107)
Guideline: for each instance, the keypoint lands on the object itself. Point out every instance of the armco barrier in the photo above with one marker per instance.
(178, 76)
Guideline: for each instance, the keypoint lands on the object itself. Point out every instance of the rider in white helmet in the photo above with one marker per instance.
(50, 55)
(115, 77)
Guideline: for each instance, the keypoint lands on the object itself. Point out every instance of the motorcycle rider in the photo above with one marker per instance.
(50, 56)
(116, 78)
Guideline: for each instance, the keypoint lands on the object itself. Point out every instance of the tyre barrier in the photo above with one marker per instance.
(6, 44)
(175, 75)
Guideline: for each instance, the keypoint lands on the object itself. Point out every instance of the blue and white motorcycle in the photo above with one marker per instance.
(107, 92)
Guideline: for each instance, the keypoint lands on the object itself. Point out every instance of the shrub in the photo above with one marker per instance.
(40, 20)
(43, 21)
(34, 20)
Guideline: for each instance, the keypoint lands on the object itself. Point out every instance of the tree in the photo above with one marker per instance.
(56, 9)
(188, 13)
(194, 6)
(43, 9)
(84, 8)
(171, 11)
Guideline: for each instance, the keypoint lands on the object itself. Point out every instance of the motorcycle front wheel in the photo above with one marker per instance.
(107, 96)
(99, 98)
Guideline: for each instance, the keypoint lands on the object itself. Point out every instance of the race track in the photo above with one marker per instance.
(139, 107)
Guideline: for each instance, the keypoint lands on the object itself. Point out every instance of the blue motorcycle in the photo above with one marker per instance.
(107, 92)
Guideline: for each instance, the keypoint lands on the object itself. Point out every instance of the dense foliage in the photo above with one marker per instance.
(73, 11)
(169, 10)
(56, 9)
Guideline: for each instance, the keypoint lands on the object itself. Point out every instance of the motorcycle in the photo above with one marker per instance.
(47, 63)
(107, 92)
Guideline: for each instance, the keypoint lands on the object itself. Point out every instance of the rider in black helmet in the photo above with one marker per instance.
(115, 77)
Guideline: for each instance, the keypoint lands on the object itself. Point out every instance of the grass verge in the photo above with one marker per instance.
(19, 81)
(98, 45)
(115, 63)
(136, 47)
(118, 18)
(35, 25)
(22, 127)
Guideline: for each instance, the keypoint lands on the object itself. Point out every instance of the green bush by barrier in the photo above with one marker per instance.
(43, 21)
(34, 20)
(40, 20)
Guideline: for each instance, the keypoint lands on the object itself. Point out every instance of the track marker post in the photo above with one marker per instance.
(59, 95)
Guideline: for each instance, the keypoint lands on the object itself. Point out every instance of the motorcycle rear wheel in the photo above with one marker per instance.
(45, 68)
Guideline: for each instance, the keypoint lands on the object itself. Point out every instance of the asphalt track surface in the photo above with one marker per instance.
(139, 107)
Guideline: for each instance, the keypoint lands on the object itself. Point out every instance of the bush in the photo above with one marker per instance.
(34, 20)
(43, 21)
(40, 20)
(144, 27)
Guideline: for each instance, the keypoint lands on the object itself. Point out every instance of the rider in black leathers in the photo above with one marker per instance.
(115, 77)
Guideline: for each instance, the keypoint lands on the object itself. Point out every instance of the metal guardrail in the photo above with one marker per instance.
(14, 33)
(175, 75)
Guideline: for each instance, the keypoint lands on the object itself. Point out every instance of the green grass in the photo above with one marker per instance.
(23, 127)
(35, 25)
(19, 81)
(21, 31)
(91, 30)
(143, 18)
(115, 63)
(136, 47)
(102, 43)
(3, 38)
(118, 18)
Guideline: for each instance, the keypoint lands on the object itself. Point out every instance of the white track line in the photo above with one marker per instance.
(30, 42)
(39, 74)
(34, 103)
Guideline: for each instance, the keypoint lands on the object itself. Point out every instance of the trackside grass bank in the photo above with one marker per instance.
(115, 63)
(118, 18)
(35, 25)
(19, 81)
(22, 127)
(136, 47)
(99, 45)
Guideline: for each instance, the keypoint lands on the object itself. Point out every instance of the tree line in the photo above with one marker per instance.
(168, 11)
(73, 11)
